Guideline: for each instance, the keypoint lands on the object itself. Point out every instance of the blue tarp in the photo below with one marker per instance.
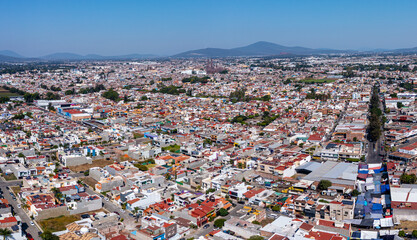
(363, 171)
(376, 206)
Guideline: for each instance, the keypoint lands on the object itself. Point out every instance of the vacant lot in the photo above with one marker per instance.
(407, 226)
(58, 223)
(9, 177)
(311, 80)
(6, 93)
(96, 163)
(89, 181)
(15, 189)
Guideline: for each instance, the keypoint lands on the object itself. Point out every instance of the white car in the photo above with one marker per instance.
(31, 223)
(18, 206)
(107, 199)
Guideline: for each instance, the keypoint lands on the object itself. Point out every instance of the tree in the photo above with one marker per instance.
(256, 237)
(47, 235)
(111, 94)
(399, 105)
(276, 208)
(401, 233)
(143, 168)
(355, 193)
(6, 233)
(408, 178)
(219, 223)
(223, 212)
(21, 155)
(324, 184)
(414, 234)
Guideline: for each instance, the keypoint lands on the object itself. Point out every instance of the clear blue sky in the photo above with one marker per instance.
(34, 28)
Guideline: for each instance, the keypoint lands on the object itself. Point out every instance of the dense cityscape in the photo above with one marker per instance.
(313, 147)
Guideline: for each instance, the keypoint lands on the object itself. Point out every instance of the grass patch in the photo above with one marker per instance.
(9, 177)
(311, 80)
(172, 148)
(6, 93)
(58, 223)
(323, 201)
(15, 189)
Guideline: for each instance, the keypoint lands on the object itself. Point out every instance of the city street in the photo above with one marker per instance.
(33, 230)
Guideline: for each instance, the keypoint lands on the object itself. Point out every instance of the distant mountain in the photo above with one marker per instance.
(404, 50)
(74, 57)
(9, 53)
(261, 48)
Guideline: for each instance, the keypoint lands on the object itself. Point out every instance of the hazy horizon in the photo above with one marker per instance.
(33, 29)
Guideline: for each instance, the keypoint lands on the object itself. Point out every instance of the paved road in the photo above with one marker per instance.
(33, 230)
(375, 148)
(111, 207)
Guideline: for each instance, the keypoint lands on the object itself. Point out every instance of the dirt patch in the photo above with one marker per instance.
(58, 223)
(407, 226)
(89, 181)
(96, 163)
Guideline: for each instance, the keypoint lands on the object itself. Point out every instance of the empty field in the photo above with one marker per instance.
(6, 93)
(96, 163)
(58, 223)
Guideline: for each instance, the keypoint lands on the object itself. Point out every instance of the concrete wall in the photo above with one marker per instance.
(405, 214)
(52, 212)
(86, 206)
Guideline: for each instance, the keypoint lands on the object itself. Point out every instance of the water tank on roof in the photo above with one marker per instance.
(84, 230)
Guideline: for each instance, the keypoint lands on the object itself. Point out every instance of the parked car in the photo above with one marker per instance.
(206, 226)
(31, 223)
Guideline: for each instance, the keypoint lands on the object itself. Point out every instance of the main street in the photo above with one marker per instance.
(32, 229)
(375, 150)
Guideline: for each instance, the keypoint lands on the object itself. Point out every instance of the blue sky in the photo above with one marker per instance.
(34, 28)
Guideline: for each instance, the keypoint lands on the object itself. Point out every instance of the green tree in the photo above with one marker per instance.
(414, 234)
(324, 184)
(400, 105)
(408, 178)
(276, 208)
(355, 193)
(143, 168)
(47, 235)
(111, 94)
(219, 223)
(223, 212)
(6, 233)
(401, 233)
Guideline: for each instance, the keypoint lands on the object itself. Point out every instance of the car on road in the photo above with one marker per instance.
(107, 199)
(31, 223)
(122, 210)
(206, 226)
(19, 206)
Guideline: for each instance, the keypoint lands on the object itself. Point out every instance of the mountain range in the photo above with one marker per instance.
(261, 49)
